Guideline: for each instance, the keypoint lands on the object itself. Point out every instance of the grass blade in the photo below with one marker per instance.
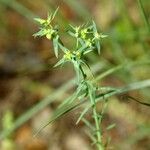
(19, 8)
(143, 13)
(60, 112)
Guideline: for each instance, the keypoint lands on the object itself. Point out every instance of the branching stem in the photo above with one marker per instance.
(96, 119)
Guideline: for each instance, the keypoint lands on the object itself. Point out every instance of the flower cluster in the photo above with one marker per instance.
(87, 35)
(87, 39)
(48, 30)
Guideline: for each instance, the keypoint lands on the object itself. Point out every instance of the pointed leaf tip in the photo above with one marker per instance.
(59, 62)
(39, 20)
(55, 12)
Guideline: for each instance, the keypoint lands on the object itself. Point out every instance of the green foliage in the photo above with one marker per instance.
(87, 40)
(120, 42)
(48, 30)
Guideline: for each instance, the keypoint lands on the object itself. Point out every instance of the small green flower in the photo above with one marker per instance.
(46, 29)
(68, 55)
(84, 33)
(40, 21)
(97, 36)
(49, 33)
(77, 54)
(77, 31)
(72, 55)
(89, 43)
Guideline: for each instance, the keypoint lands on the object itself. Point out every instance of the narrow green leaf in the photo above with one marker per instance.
(39, 20)
(77, 69)
(91, 136)
(81, 41)
(74, 96)
(64, 49)
(57, 114)
(68, 100)
(39, 33)
(54, 14)
(82, 115)
(87, 51)
(94, 27)
(97, 46)
(71, 33)
(105, 89)
(72, 26)
(111, 126)
(103, 36)
(67, 108)
(85, 64)
(55, 44)
(88, 124)
(61, 61)
(19, 8)
(82, 48)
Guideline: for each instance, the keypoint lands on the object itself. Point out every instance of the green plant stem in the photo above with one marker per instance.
(92, 96)
(96, 119)
(98, 129)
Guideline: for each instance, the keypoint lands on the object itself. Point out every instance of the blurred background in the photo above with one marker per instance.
(31, 89)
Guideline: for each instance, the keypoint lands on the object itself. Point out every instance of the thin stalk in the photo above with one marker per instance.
(82, 72)
(144, 15)
(92, 96)
(96, 119)
(98, 130)
(103, 110)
